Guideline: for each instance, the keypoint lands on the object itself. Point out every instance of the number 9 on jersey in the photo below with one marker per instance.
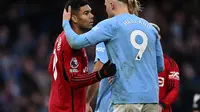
(141, 47)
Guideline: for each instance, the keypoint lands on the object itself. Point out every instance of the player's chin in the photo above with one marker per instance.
(90, 26)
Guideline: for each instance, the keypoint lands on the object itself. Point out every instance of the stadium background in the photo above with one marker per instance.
(28, 29)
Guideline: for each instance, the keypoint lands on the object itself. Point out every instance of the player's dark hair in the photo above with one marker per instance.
(75, 4)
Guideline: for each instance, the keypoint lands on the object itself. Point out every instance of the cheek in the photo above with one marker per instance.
(107, 9)
(84, 21)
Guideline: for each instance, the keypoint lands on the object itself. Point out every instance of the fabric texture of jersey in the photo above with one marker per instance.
(104, 92)
(168, 83)
(133, 45)
(136, 80)
(64, 63)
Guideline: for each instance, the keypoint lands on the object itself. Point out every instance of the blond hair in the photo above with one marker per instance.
(133, 6)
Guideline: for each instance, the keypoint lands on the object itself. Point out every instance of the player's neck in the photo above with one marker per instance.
(76, 29)
(121, 11)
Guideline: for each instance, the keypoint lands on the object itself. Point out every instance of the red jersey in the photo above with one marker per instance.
(69, 70)
(168, 84)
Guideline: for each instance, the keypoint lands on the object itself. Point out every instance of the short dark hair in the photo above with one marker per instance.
(75, 4)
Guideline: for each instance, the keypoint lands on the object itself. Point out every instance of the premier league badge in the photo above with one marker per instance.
(74, 63)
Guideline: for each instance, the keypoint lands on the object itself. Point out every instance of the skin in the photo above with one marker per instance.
(92, 90)
(109, 7)
(98, 65)
(82, 21)
(113, 8)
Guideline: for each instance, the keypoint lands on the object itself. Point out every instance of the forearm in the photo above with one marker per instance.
(91, 91)
(160, 63)
(83, 80)
(172, 95)
(75, 41)
(159, 56)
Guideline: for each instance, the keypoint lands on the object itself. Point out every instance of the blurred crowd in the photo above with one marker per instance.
(28, 30)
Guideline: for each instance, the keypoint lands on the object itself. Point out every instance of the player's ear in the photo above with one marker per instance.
(74, 19)
(112, 5)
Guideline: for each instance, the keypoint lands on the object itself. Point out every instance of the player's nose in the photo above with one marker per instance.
(91, 16)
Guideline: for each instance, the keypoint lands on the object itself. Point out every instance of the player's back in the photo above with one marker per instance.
(133, 50)
(63, 97)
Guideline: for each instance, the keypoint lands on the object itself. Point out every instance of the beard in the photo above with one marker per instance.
(84, 29)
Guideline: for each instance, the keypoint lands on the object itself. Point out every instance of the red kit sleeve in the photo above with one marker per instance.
(76, 77)
(173, 82)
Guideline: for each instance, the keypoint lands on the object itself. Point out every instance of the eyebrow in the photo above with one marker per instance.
(86, 11)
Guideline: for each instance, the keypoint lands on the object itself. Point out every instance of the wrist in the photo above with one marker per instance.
(98, 75)
(163, 105)
(65, 23)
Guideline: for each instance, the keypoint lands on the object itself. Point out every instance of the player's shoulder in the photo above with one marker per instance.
(169, 61)
(154, 30)
(150, 26)
(61, 36)
(105, 25)
(108, 22)
(61, 41)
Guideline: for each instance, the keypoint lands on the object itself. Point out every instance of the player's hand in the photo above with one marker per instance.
(67, 14)
(160, 109)
(88, 108)
(108, 69)
(110, 80)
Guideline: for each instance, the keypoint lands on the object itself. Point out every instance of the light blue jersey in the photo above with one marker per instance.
(104, 93)
(133, 45)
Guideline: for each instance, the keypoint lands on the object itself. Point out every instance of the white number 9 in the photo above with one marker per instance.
(141, 46)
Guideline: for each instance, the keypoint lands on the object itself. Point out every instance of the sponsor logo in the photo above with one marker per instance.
(100, 49)
(73, 70)
(174, 75)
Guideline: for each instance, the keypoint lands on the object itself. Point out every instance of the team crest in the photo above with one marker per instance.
(74, 63)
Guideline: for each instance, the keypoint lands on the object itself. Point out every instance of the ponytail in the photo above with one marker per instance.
(133, 6)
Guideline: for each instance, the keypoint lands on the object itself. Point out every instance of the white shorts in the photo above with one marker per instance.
(133, 108)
